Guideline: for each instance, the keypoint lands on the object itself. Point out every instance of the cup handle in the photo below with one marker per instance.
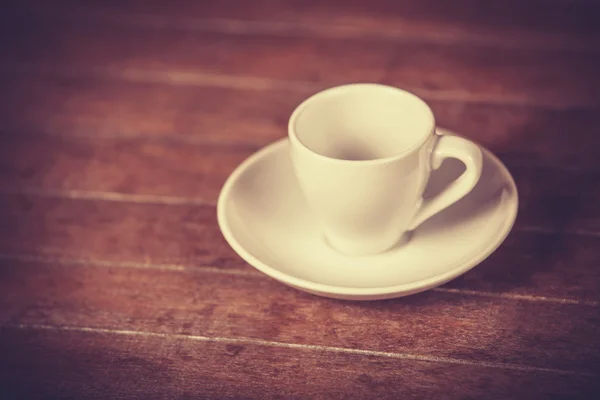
(449, 146)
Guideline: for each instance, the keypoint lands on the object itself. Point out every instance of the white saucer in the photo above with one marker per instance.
(264, 217)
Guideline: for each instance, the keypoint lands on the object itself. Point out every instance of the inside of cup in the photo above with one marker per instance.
(363, 122)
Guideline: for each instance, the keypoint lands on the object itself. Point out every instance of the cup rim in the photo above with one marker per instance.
(295, 139)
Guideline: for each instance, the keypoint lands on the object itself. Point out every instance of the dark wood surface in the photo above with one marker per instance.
(120, 121)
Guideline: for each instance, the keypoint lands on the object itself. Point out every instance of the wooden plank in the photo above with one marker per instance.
(84, 106)
(535, 23)
(551, 200)
(122, 165)
(476, 74)
(553, 265)
(76, 364)
(114, 231)
(432, 324)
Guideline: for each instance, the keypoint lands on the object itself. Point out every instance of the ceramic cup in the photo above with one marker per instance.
(362, 154)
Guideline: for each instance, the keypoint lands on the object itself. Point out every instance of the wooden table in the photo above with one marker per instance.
(120, 121)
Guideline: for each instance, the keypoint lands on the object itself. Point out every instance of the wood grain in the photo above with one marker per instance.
(107, 107)
(462, 328)
(534, 23)
(486, 75)
(76, 364)
(553, 265)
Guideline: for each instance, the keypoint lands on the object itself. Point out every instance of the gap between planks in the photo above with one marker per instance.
(296, 346)
(63, 261)
(73, 194)
(200, 79)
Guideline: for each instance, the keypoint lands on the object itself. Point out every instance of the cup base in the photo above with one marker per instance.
(364, 251)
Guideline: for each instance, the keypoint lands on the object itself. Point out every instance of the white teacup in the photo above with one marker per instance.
(363, 154)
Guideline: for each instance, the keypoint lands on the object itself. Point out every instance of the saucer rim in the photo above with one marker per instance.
(353, 292)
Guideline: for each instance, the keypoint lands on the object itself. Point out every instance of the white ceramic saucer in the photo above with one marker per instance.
(264, 217)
